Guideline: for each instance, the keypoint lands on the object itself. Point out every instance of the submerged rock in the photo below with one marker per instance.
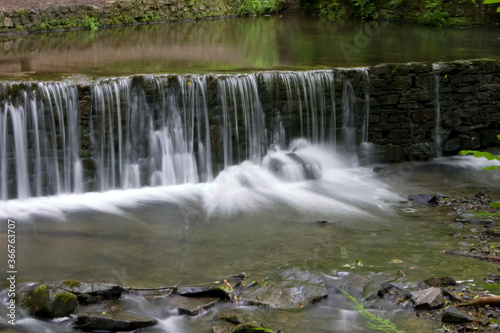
(47, 301)
(474, 219)
(440, 281)
(236, 316)
(112, 322)
(237, 320)
(287, 289)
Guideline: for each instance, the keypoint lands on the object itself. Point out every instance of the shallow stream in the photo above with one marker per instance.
(247, 220)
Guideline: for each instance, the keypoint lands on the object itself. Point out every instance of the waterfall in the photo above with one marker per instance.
(158, 136)
(40, 140)
(158, 130)
(366, 118)
(348, 124)
(366, 146)
(243, 119)
(312, 94)
(437, 108)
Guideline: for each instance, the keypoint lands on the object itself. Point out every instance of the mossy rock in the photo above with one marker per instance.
(113, 322)
(47, 301)
(89, 293)
(236, 316)
(249, 328)
(287, 289)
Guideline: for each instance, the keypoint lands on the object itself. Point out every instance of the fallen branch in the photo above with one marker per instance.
(485, 300)
(234, 293)
(475, 256)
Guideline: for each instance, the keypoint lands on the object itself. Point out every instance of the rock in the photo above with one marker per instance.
(291, 167)
(236, 316)
(89, 293)
(248, 328)
(47, 301)
(112, 322)
(7, 22)
(429, 199)
(218, 289)
(493, 278)
(236, 320)
(474, 219)
(454, 316)
(287, 289)
(191, 306)
(222, 328)
(379, 170)
(210, 292)
(429, 299)
(440, 281)
(420, 199)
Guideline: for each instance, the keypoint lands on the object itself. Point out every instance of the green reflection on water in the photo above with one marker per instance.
(232, 45)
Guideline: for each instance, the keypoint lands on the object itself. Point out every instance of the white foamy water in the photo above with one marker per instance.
(341, 191)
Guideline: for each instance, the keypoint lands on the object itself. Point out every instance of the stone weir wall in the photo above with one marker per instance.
(168, 129)
(114, 13)
(408, 111)
(433, 109)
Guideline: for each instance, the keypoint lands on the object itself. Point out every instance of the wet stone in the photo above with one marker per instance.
(89, 293)
(46, 301)
(430, 298)
(474, 219)
(420, 199)
(236, 316)
(112, 322)
(191, 306)
(440, 281)
(287, 289)
(455, 316)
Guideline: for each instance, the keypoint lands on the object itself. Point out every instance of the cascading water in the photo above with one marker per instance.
(312, 95)
(39, 144)
(437, 108)
(161, 130)
(348, 124)
(151, 138)
(366, 146)
(243, 119)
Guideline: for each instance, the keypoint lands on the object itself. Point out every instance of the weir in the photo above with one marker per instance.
(137, 131)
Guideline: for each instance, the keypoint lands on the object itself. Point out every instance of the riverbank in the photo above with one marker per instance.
(25, 16)
(22, 17)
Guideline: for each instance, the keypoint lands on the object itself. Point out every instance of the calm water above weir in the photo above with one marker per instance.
(236, 45)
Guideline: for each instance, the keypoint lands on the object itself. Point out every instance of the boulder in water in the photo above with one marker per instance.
(89, 293)
(47, 301)
(113, 322)
(292, 167)
(287, 289)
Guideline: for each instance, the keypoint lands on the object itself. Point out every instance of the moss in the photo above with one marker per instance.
(64, 297)
(459, 21)
(71, 283)
(40, 289)
(36, 299)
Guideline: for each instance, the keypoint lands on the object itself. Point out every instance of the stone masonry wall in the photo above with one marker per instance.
(408, 100)
(114, 13)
